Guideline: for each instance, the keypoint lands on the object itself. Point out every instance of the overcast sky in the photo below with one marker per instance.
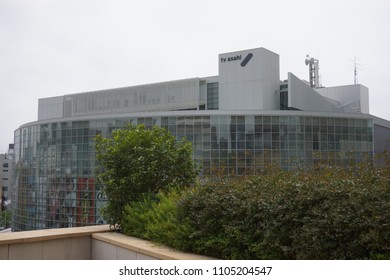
(56, 47)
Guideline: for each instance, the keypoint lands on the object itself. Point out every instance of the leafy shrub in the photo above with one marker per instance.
(155, 218)
(316, 214)
(329, 214)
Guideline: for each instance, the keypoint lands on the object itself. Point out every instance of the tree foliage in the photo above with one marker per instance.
(135, 161)
(5, 219)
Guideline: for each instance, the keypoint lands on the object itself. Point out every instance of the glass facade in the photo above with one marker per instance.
(283, 97)
(212, 96)
(55, 182)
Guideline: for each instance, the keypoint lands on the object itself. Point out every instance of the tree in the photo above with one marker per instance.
(136, 161)
(5, 218)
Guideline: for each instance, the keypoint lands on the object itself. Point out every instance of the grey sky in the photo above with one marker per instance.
(57, 47)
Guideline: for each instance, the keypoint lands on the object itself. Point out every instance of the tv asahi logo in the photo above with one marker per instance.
(244, 61)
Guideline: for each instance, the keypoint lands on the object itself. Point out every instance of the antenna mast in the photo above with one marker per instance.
(355, 73)
(313, 71)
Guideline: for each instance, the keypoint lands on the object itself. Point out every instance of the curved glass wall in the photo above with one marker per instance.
(55, 184)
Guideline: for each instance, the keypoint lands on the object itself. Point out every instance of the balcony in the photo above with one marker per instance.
(83, 243)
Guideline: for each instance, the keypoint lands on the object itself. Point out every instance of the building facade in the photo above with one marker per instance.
(242, 121)
(6, 174)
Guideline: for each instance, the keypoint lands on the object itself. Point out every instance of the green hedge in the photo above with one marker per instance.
(155, 218)
(327, 214)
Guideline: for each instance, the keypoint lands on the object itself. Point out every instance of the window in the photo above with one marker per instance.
(212, 96)
(283, 100)
(5, 164)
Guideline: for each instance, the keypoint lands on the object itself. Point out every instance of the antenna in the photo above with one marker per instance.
(313, 71)
(355, 70)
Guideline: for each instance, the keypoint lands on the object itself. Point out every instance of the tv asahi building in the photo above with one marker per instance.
(242, 121)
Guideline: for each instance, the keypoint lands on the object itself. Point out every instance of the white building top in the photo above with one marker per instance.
(247, 80)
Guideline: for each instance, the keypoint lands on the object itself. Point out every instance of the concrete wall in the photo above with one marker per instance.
(116, 246)
(106, 251)
(53, 244)
(60, 249)
(83, 243)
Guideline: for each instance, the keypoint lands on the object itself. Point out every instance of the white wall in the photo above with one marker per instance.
(303, 97)
(351, 98)
(165, 96)
(50, 108)
(251, 86)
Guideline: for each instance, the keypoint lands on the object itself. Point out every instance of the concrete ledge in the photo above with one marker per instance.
(139, 246)
(49, 234)
(49, 244)
(84, 243)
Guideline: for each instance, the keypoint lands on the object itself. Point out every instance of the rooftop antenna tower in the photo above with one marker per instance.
(355, 70)
(314, 76)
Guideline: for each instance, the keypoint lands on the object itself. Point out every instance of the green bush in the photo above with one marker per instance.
(155, 218)
(328, 214)
(318, 214)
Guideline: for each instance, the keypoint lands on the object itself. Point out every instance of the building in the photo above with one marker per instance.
(6, 172)
(241, 121)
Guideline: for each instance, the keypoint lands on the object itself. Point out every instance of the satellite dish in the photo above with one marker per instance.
(307, 59)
